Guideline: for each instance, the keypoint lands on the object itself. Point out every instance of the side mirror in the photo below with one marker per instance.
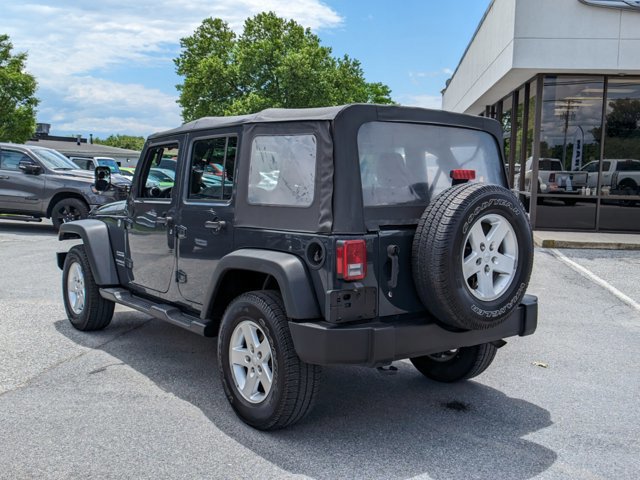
(29, 166)
(102, 176)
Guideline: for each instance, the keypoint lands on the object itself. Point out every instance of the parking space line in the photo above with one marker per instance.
(595, 279)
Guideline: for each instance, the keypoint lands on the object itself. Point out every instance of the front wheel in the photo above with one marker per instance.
(86, 309)
(458, 364)
(68, 210)
(265, 381)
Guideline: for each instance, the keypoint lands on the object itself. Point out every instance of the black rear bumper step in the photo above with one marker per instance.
(160, 311)
(378, 343)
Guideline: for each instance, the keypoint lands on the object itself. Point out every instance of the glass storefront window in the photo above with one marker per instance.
(507, 110)
(570, 133)
(570, 136)
(519, 111)
(620, 178)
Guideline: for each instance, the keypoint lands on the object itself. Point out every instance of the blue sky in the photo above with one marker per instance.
(106, 67)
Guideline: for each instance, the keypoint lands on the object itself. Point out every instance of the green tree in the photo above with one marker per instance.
(17, 95)
(273, 63)
(122, 141)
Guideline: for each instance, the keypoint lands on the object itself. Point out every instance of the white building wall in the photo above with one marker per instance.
(488, 57)
(555, 36)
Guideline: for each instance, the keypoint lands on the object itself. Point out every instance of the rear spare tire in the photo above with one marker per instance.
(472, 255)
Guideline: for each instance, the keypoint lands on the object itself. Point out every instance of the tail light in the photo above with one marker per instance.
(351, 259)
(460, 174)
(552, 177)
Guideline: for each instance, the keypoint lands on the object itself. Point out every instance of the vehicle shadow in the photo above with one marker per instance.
(26, 228)
(364, 425)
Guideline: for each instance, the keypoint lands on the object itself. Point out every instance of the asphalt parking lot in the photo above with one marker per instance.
(142, 398)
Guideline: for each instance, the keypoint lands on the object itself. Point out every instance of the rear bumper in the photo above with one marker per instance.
(378, 343)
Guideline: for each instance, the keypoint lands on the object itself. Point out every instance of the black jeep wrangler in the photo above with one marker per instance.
(359, 235)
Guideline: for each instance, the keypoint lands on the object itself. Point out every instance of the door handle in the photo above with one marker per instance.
(4, 177)
(215, 225)
(163, 220)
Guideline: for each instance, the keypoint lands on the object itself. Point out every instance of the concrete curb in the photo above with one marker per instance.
(585, 240)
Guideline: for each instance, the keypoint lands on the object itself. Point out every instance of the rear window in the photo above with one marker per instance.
(408, 164)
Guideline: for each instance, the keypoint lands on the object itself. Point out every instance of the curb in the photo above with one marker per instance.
(602, 245)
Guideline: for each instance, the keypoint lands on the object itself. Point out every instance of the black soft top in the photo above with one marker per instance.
(354, 112)
(337, 205)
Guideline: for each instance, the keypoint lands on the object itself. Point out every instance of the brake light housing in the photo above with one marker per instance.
(461, 174)
(351, 259)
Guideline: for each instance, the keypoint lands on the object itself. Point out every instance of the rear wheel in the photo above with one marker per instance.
(265, 381)
(85, 308)
(68, 210)
(455, 365)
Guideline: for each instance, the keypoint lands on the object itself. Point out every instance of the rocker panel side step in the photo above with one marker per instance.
(160, 311)
(21, 218)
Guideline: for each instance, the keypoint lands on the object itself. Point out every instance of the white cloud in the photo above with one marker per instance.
(424, 101)
(71, 44)
(417, 77)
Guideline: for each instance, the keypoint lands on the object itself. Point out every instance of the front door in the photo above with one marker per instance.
(19, 190)
(205, 229)
(150, 224)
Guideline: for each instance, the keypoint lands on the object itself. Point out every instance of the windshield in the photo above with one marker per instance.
(408, 164)
(109, 162)
(53, 160)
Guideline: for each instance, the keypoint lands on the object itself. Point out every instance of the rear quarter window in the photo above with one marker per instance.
(282, 170)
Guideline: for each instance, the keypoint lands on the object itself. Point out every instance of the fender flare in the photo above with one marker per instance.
(95, 236)
(288, 270)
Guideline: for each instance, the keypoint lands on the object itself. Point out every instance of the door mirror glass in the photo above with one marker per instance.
(102, 177)
(29, 166)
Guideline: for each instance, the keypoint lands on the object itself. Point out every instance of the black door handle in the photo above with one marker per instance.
(215, 225)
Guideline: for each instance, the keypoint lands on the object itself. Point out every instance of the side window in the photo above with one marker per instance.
(9, 160)
(282, 170)
(212, 168)
(157, 182)
(605, 166)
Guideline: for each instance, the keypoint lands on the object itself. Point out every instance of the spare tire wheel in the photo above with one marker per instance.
(472, 255)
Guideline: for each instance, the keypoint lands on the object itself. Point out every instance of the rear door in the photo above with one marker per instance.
(19, 191)
(150, 252)
(205, 227)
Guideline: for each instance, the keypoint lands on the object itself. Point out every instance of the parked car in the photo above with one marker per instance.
(355, 235)
(127, 172)
(90, 163)
(619, 176)
(38, 182)
(552, 178)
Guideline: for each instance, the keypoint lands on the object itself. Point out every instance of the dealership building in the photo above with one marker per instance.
(563, 78)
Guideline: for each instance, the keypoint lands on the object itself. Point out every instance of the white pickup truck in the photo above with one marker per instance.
(552, 178)
(619, 176)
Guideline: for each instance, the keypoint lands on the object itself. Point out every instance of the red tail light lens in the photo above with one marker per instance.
(463, 174)
(351, 259)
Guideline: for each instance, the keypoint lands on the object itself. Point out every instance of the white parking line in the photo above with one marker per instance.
(595, 279)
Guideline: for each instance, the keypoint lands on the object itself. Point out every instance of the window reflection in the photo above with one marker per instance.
(620, 177)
